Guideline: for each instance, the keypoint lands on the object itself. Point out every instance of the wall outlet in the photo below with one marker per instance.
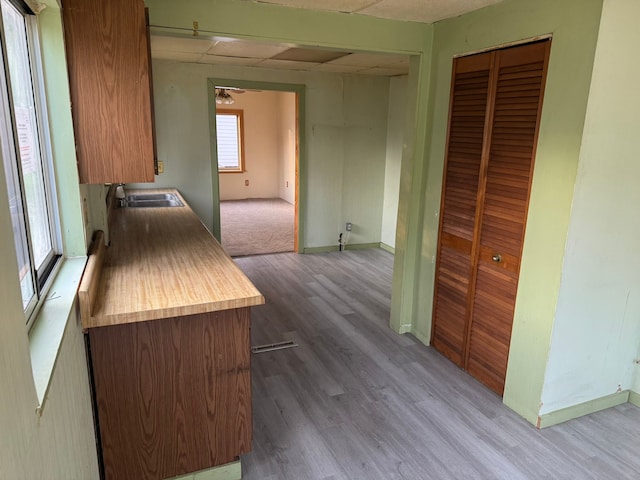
(349, 226)
(246, 183)
(286, 184)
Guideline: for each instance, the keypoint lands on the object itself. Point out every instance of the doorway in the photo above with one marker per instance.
(256, 141)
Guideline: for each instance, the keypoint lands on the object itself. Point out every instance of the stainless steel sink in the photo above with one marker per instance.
(151, 200)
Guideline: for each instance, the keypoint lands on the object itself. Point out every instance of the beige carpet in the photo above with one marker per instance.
(256, 226)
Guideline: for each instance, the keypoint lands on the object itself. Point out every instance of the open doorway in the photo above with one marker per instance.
(256, 135)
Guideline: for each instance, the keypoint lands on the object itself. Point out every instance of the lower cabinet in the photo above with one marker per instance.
(172, 396)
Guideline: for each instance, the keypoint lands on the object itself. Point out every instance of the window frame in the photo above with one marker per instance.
(239, 114)
(42, 275)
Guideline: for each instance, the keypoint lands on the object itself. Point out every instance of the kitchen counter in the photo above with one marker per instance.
(164, 263)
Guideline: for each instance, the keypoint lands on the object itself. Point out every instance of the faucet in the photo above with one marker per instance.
(122, 201)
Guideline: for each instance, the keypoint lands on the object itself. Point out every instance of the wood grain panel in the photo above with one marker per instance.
(109, 78)
(467, 118)
(173, 395)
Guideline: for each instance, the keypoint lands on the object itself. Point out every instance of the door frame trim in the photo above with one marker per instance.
(301, 157)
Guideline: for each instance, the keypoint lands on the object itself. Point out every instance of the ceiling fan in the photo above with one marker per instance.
(223, 97)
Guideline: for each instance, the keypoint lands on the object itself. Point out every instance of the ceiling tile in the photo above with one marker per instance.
(242, 48)
(315, 55)
(329, 5)
(427, 11)
(383, 72)
(423, 11)
(179, 56)
(222, 60)
(180, 44)
(330, 67)
(288, 64)
(369, 60)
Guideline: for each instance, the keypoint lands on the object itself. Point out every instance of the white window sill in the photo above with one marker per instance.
(47, 334)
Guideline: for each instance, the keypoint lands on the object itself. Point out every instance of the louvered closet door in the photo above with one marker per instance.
(481, 242)
(467, 120)
(521, 73)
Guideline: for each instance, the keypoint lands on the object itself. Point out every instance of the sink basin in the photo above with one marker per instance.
(151, 200)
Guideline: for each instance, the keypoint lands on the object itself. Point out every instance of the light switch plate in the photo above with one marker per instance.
(160, 166)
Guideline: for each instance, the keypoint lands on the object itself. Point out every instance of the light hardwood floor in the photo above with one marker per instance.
(357, 401)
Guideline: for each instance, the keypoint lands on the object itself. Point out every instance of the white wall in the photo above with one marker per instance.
(398, 93)
(597, 325)
(636, 382)
(261, 148)
(346, 123)
(269, 142)
(287, 131)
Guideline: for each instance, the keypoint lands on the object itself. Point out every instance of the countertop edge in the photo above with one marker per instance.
(173, 312)
(98, 318)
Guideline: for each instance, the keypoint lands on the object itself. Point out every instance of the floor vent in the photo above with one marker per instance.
(273, 346)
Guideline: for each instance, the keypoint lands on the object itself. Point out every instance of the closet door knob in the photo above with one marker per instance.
(497, 258)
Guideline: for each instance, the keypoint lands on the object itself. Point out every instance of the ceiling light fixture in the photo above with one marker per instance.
(223, 98)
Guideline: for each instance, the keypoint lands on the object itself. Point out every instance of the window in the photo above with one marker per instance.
(26, 153)
(230, 140)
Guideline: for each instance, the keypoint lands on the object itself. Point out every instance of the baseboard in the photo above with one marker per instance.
(335, 248)
(634, 398)
(331, 248)
(426, 339)
(388, 248)
(575, 411)
(362, 246)
(229, 471)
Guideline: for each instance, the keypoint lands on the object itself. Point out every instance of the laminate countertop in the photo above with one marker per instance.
(162, 263)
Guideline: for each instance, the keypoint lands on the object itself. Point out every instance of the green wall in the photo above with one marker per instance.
(596, 332)
(59, 442)
(341, 123)
(574, 26)
(398, 100)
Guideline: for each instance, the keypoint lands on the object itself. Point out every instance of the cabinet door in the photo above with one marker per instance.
(173, 396)
(109, 77)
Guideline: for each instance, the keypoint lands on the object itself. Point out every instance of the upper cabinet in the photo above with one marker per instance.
(107, 47)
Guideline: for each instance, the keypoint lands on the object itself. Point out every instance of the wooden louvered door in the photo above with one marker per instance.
(467, 119)
(484, 205)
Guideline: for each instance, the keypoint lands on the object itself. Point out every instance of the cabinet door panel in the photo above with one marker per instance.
(109, 77)
(173, 395)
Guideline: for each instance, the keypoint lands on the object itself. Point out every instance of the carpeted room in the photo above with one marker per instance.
(257, 196)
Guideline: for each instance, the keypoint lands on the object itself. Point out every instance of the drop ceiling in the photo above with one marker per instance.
(425, 11)
(226, 51)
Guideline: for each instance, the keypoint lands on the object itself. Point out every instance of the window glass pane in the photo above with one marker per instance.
(227, 139)
(27, 131)
(15, 202)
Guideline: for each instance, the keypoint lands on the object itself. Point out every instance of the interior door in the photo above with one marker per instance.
(489, 165)
(520, 76)
(467, 120)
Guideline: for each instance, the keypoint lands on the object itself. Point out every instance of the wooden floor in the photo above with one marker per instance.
(357, 401)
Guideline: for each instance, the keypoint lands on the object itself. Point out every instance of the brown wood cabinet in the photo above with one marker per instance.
(107, 48)
(493, 128)
(173, 396)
